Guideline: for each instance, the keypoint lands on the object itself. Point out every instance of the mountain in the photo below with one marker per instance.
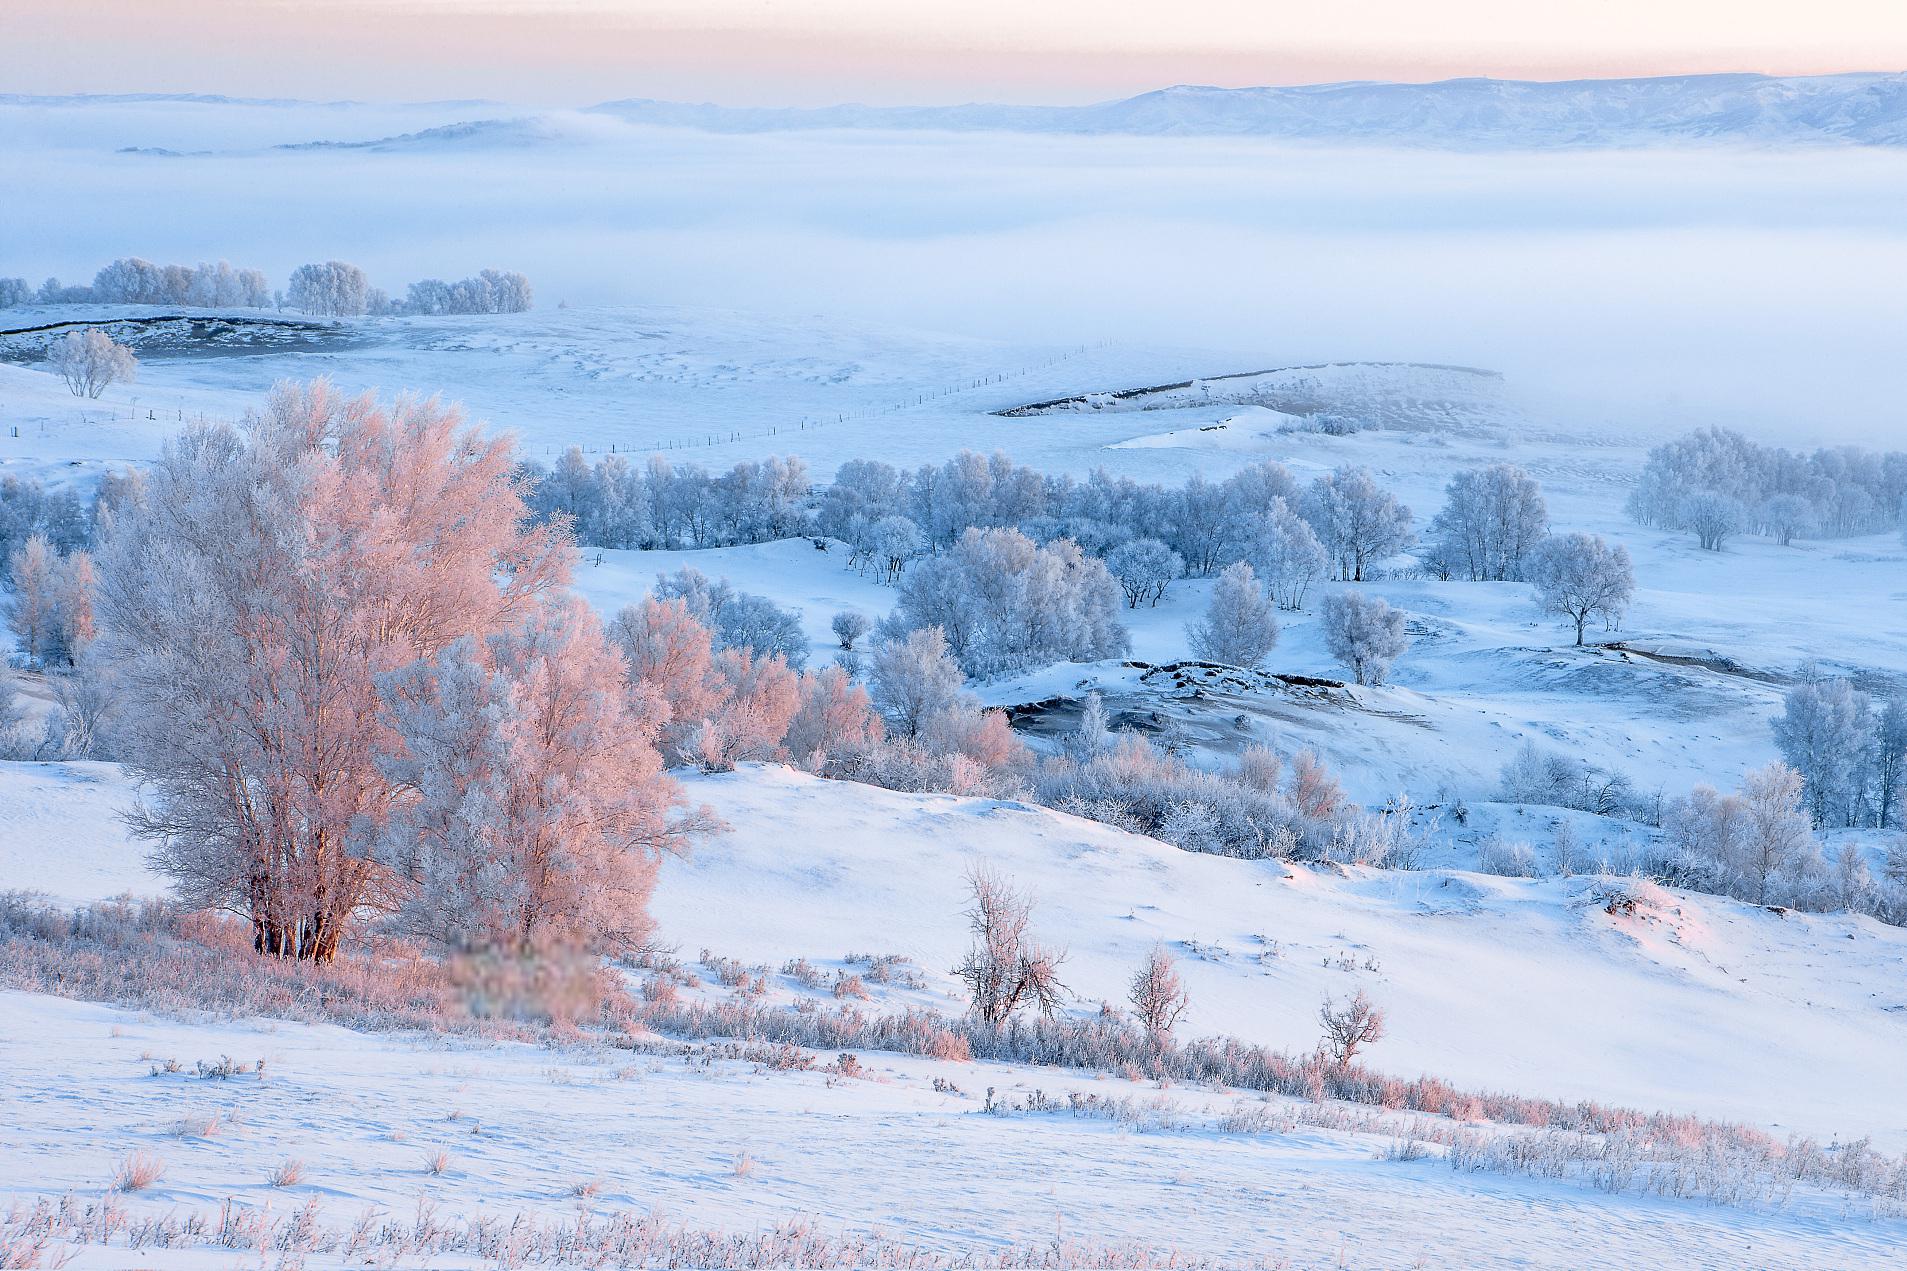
(1859, 109)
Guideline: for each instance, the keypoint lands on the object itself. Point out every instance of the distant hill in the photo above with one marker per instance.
(1860, 109)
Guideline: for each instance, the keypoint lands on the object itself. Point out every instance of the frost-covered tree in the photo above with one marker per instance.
(334, 289)
(1358, 522)
(1825, 732)
(1006, 604)
(32, 610)
(737, 619)
(74, 625)
(1144, 567)
(1492, 519)
(1580, 577)
(248, 603)
(672, 655)
(914, 677)
(1285, 552)
(1364, 633)
(1786, 517)
(1712, 517)
(533, 811)
(833, 720)
(15, 293)
(759, 694)
(1775, 836)
(1240, 626)
(848, 626)
(91, 361)
(1890, 761)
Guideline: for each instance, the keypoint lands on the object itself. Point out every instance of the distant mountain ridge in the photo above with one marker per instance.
(1855, 108)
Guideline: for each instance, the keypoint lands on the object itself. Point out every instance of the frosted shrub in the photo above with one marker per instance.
(1157, 994)
(1348, 1028)
(848, 626)
(1507, 858)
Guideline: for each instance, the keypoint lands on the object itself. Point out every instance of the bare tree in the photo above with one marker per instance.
(1157, 995)
(1348, 1028)
(1006, 970)
(91, 361)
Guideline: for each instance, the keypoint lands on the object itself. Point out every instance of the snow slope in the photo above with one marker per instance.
(1693, 1003)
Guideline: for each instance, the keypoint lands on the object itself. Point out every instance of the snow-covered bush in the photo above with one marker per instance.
(91, 361)
(848, 626)
(1492, 519)
(1157, 994)
(1552, 779)
(1507, 858)
(1580, 577)
(1240, 626)
(1364, 633)
(1005, 604)
(1358, 522)
(737, 619)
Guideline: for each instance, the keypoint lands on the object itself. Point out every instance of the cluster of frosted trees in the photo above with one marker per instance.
(1757, 844)
(140, 282)
(652, 503)
(491, 291)
(50, 601)
(337, 289)
(61, 517)
(1004, 603)
(1850, 752)
(1714, 483)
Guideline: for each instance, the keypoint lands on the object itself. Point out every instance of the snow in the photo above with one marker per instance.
(757, 293)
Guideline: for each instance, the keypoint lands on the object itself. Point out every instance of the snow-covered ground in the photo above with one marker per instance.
(1681, 1003)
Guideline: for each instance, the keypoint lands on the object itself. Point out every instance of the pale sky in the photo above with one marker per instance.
(809, 52)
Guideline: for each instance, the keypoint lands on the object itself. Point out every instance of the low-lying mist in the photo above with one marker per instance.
(1656, 288)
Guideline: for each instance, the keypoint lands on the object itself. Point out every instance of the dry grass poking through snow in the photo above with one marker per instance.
(153, 957)
(45, 1233)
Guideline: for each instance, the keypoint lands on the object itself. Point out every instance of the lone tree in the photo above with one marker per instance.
(1579, 576)
(1157, 995)
(1006, 970)
(91, 361)
(1365, 633)
(1240, 627)
(249, 603)
(1348, 1028)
